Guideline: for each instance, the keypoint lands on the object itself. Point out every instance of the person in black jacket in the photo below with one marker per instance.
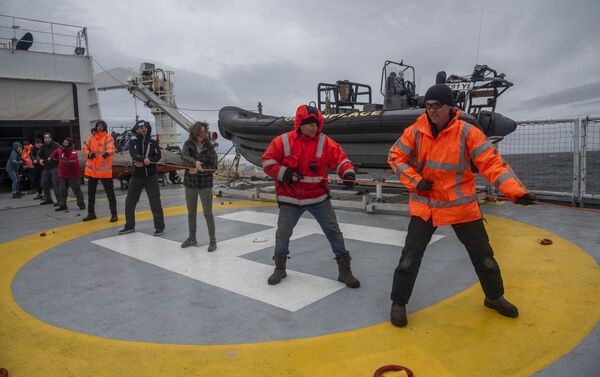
(198, 181)
(50, 173)
(145, 153)
(38, 169)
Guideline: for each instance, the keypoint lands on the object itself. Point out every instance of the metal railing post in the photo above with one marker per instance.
(583, 162)
(85, 38)
(52, 33)
(576, 160)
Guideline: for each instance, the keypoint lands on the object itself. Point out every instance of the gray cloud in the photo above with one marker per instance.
(239, 53)
(579, 95)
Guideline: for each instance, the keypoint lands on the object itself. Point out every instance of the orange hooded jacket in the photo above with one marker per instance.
(446, 160)
(98, 166)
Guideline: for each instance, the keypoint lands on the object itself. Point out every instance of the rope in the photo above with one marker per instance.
(398, 185)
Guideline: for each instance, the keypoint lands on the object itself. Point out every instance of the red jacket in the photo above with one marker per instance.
(293, 150)
(68, 163)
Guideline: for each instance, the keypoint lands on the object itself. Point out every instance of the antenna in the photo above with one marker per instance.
(479, 37)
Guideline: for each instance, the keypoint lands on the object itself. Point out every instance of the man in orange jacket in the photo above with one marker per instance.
(28, 165)
(298, 161)
(99, 149)
(433, 158)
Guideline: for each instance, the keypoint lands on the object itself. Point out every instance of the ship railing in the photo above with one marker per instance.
(558, 159)
(48, 37)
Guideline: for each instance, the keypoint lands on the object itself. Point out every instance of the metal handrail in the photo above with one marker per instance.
(44, 22)
(80, 35)
(40, 31)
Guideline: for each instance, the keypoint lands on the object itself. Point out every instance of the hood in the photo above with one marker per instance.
(302, 113)
(139, 122)
(16, 145)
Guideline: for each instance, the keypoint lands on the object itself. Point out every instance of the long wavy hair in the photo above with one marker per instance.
(195, 129)
(102, 123)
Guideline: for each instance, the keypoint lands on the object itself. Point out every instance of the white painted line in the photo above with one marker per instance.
(225, 269)
(363, 233)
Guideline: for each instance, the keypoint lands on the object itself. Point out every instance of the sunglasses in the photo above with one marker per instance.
(434, 106)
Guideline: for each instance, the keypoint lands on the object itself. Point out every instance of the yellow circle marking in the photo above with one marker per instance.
(556, 288)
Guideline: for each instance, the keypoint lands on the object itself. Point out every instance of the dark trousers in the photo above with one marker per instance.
(136, 185)
(75, 186)
(34, 175)
(50, 180)
(109, 188)
(471, 234)
(191, 200)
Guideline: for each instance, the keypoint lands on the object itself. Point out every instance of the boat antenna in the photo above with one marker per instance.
(479, 37)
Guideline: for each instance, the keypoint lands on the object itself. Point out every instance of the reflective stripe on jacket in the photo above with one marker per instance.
(446, 160)
(98, 143)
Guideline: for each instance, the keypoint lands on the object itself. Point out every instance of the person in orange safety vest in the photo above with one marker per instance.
(298, 161)
(98, 150)
(28, 165)
(435, 158)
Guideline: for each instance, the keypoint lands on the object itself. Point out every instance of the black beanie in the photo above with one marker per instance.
(441, 93)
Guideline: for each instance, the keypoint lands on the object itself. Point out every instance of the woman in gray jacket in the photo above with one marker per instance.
(198, 181)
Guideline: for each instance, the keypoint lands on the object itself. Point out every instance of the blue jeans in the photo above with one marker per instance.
(14, 177)
(325, 216)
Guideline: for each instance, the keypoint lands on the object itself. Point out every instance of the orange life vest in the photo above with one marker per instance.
(25, 155)
(98, 166)
(446, 160)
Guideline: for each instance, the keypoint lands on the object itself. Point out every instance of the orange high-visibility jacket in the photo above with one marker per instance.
(98, 166)
(26, 157)
(446, 160)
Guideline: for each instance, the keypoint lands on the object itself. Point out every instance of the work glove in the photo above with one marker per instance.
(349, 179)
(91, 155)
(425, 185)
(526, 199)
(291, 176)
(105, 154)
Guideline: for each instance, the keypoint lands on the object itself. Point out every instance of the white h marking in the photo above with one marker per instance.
(225, 269)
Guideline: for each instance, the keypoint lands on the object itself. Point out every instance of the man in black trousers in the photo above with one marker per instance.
(145, 153)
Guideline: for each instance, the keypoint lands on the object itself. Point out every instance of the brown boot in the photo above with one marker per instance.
(279, 273)
(345, 275)
(398, 315)
(502, 306)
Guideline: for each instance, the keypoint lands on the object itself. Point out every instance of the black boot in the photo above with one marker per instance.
(398, 315)
(345, 275)
(114, 218)
(279, 273)
(90, 216)
(212, 246)
(502, 306)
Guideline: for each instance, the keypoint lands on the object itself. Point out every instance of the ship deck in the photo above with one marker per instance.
(78, 300)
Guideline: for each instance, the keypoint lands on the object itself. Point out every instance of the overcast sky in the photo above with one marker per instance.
(241, 52)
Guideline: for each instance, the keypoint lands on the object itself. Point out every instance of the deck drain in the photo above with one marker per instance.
(392, 368)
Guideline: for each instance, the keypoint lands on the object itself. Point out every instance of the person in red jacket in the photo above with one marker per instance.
(69, 174)
(298, 161)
